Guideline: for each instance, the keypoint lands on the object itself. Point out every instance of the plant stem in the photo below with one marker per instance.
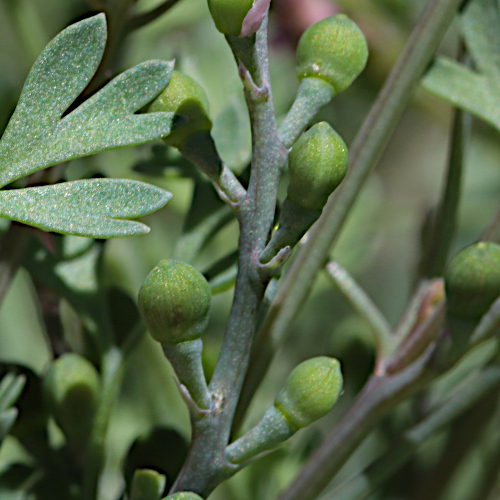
(140, 20)
(380, 395)
(111, 377)
(206, 464)
(13, 246)
(364, 306)
(364, 153)
(444, 222)
(312, 95)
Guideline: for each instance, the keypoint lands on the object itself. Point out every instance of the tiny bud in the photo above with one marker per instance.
(228, 15)
(174, 300)
(333, 50)
(317, 164)
(71, 389)
(185, 97)
(147, 484)
(472, 280)
(310, 392)
(183, 495)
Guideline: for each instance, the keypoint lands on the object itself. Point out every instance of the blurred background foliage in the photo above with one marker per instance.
(380, 244)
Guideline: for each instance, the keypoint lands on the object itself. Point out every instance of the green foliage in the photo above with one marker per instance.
(475, 91)
(37, 135)
(105, 413)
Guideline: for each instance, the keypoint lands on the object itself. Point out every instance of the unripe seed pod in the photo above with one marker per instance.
(183, 495)
(317, 164)
(185, 97)
(71, 389)
(147, 484)
(472, 280)
(310, 392)
(228, 15)
(334, 50)
(174, 301)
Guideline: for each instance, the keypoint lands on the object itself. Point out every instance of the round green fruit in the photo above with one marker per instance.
(317, 164)
(333, 50)
(228, 15)
(71, 389)
(186, 98)
(472, 280)
(174, 301)
(310, 392)
(183, 495)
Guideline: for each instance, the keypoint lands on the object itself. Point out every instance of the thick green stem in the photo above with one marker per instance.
(206, 464)
(312, 95)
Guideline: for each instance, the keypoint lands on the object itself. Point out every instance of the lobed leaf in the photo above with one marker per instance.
(36, 136)
(97, 208)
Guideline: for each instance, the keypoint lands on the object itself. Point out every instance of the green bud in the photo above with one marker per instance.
(228, 15)
(183, 495)
(185, 97)
(310, 392)
(174, 300)
(333, 50)
(472, 280)
(317, 164)
(71, 389)
(147, 485)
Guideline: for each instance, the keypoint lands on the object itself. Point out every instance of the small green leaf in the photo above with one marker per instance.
(37, 137)
(95, 207)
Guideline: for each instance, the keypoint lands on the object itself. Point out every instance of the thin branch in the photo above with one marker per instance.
(140, 20)
(365, 307)
(444, 221)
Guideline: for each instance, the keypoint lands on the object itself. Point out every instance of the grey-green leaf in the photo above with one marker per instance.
(463, 88)
(37, 137)
(97, 208)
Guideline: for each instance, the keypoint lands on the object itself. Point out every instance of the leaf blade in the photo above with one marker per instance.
(98, 208)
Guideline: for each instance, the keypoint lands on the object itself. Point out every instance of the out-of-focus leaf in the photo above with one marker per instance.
(480, 23)
(231, 133)
(36, 136)
(15, 481)
(207, 215)
(7, 419)
(463, 88)
(94, 207)
(474, 92)
(10, 389)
